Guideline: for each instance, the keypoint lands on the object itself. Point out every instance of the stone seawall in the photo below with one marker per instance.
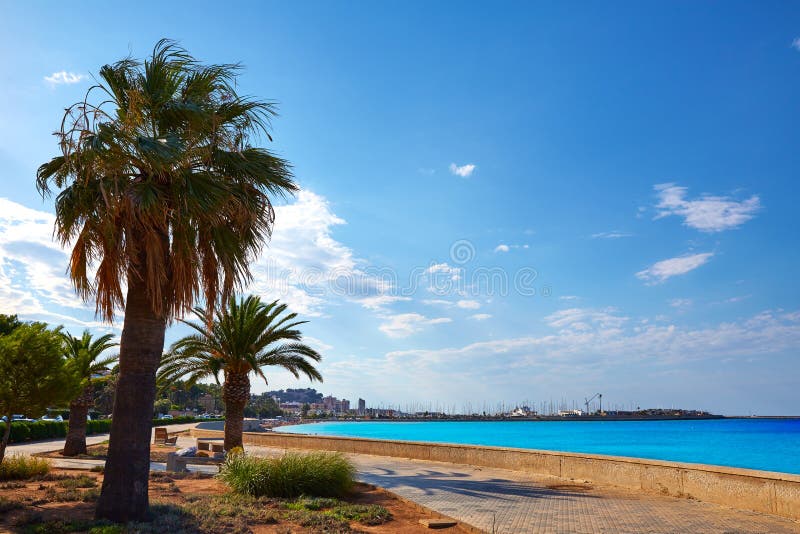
(760, 491)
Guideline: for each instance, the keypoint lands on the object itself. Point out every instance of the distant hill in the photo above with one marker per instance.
(308, 395)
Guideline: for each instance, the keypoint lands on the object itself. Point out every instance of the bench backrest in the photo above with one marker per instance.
(160, 434)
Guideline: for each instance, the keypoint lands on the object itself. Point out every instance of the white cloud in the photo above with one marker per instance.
(438, 270)
(604, 339)
(438, 302)
(614, 234)
(707, 213)
(680, 303)
(468, 304)
(568, 297)
(33, 279)
(582, 319)
(379, 302)
(63, 77)
(796, 44)
(463, 170)
(664, 269)
(405, 324)
(502, 247)
(480, 316)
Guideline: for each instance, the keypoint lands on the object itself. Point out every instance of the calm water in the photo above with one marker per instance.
(768, 444)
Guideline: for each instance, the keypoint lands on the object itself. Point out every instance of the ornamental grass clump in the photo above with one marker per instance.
(317, 474)
(19, 467)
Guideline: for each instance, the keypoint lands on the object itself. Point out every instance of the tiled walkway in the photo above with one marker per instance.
(512, 502)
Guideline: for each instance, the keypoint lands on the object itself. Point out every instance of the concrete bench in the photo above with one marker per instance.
(211, 445)
(178, 463)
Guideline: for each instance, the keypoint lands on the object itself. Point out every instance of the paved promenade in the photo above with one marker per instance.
(511, 502)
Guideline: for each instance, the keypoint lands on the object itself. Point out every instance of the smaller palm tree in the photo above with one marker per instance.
(243, 338)
(84, 362)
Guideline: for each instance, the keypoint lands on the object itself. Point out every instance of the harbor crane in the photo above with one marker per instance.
(595, 396)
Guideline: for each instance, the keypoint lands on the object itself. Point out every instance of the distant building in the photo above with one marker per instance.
(292, 407)
(362, 406)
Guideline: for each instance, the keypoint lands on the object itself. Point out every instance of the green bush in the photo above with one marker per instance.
(318, 474)
(36, 430)
(19, 467)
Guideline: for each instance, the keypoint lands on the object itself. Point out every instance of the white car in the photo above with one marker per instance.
(57, 419)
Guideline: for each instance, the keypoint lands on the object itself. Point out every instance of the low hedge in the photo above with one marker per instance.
(36, 430)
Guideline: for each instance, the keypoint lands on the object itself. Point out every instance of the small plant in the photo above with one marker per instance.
(82, 481)
(319, 474)
(98, 469)
(366, 514)
(19, 467)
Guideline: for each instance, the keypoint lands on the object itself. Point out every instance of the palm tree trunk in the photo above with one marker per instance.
(235, 394)
(125, 482)
(76, 435)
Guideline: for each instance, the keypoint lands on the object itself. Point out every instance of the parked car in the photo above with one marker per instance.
(165, 416)
(20, 418)
(57, 419)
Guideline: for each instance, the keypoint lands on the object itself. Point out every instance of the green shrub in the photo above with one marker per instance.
(82, 481)
(36, 430)
(319, 474)
(19, 467)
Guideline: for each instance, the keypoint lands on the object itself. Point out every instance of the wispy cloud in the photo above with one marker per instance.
(480, 316)
(502, 247)
(444, 270)
(614, 234)
(63, 77)
(462, 170)
(707, 213)
(796, 44)
(589, 337)
(405, 324)
(468, 304)
(664, 269)
(680, 303)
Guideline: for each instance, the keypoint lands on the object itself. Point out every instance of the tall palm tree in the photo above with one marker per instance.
(84, 362)
(243, 338)
(163, 197)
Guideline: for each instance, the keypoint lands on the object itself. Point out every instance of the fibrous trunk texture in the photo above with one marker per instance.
(235, 395)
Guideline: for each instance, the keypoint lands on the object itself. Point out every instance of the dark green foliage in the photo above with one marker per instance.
(308, 395)
(8, 323)
(37, 430)
(319, 474)
(33, 374)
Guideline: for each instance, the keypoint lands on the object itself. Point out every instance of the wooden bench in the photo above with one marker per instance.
(178, 463)
(161, 437)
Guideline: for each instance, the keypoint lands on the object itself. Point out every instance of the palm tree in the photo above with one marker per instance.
(84, 362)
(242, 339)
(161, 195)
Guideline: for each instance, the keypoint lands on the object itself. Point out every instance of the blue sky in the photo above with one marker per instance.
(508, 203)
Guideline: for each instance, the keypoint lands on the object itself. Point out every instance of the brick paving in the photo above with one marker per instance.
(512, 502)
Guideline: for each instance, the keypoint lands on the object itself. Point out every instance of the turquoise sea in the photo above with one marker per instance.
(767, 444)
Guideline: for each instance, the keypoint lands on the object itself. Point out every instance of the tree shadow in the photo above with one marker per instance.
(431, 482)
